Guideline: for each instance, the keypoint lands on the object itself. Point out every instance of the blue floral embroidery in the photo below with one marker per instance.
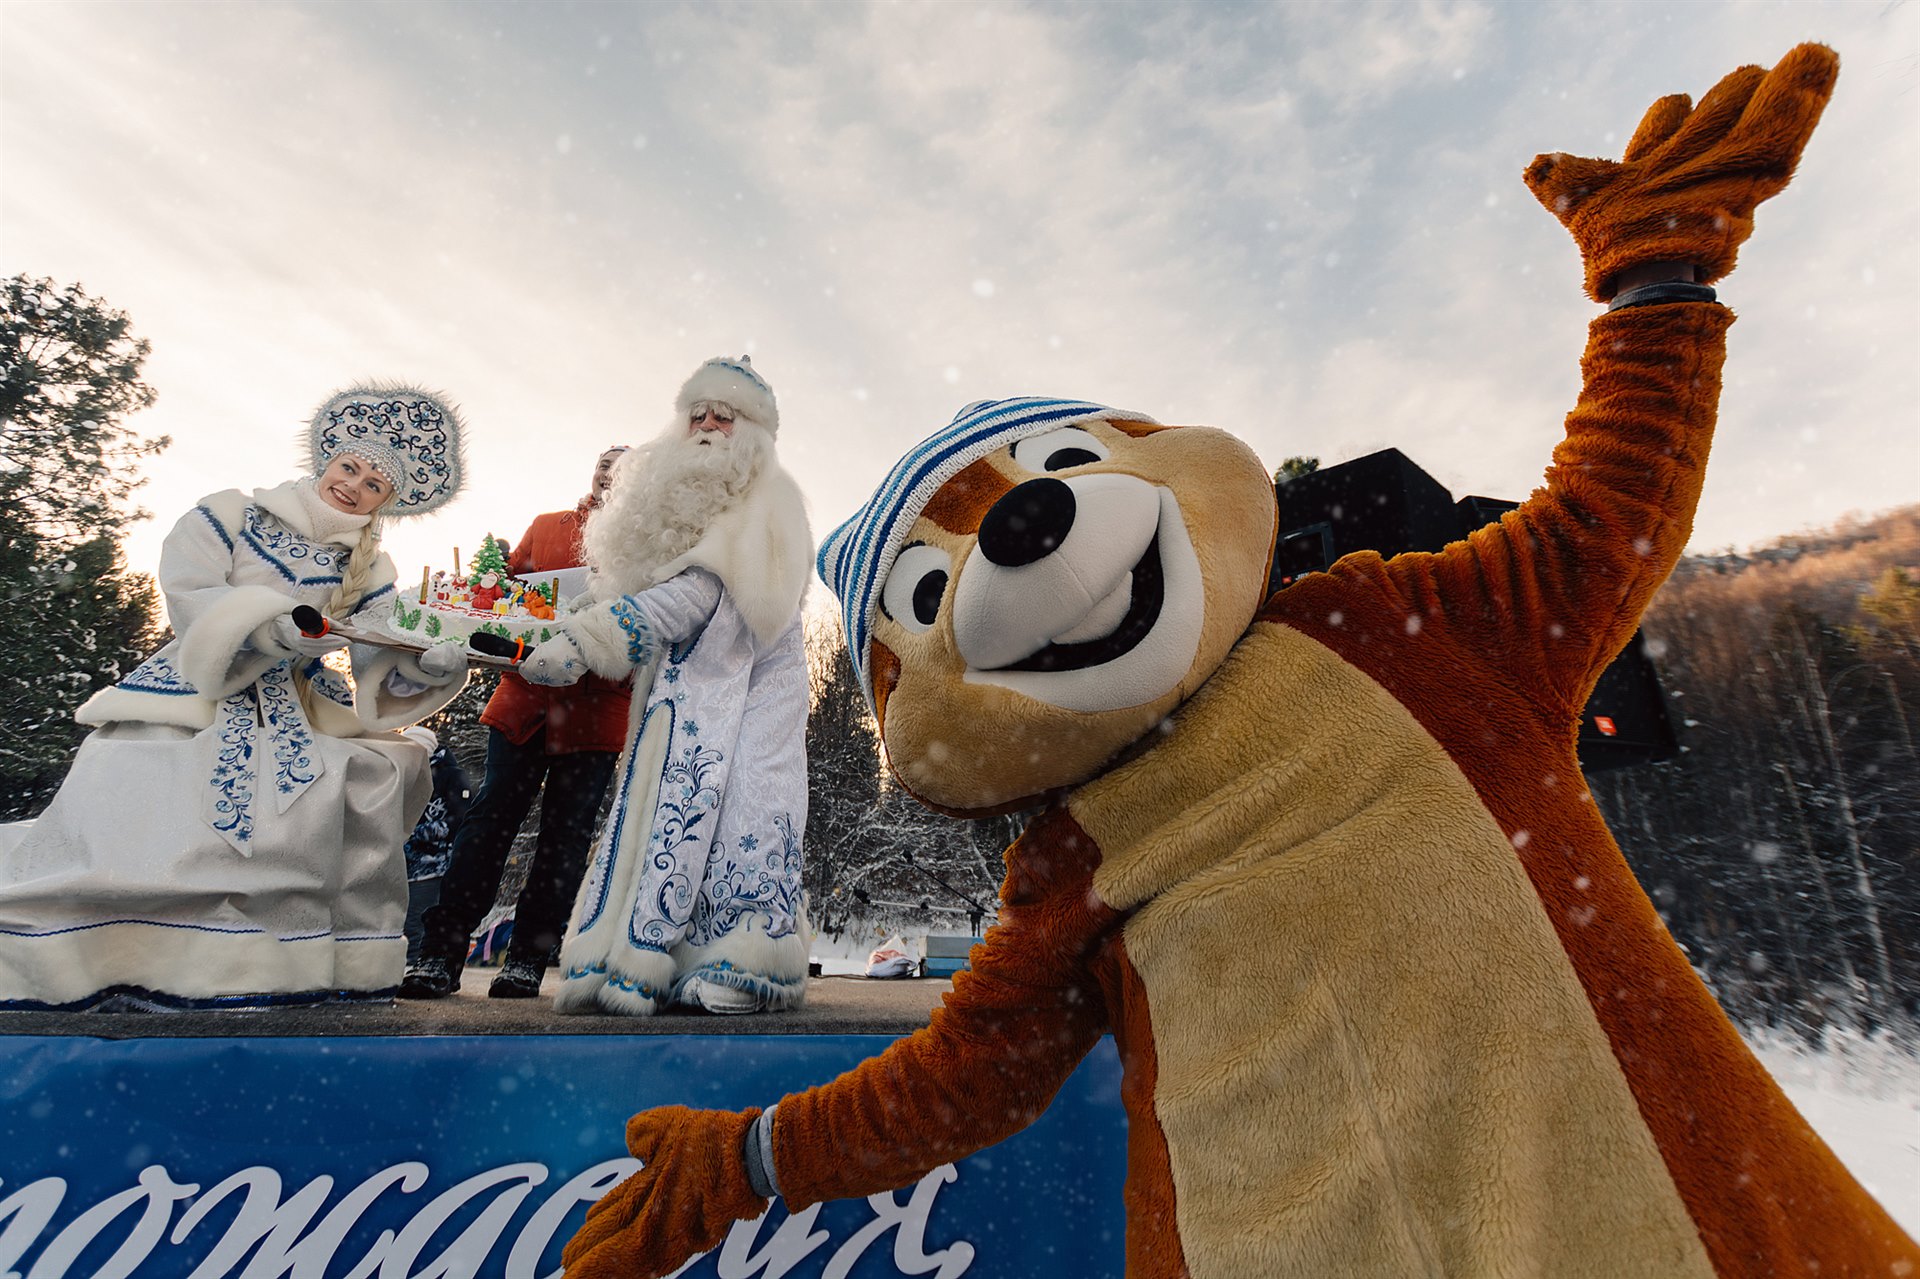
(766, 885)
(640, 641)
(671, 675)
(237, 728)
(295, 762)
(232, 779)
(158, 674)
(689, 796)
(690, 728)
(329, 683)
(318, 563)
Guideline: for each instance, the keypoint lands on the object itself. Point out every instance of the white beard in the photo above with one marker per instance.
(664, 495)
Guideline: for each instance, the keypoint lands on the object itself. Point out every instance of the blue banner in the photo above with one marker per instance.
(388, 1158)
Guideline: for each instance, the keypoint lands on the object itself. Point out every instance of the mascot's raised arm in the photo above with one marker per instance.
(1387, 998)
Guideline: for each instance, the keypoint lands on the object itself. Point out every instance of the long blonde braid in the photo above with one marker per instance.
(359, 567)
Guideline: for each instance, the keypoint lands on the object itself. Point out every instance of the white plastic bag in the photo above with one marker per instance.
(890, 959)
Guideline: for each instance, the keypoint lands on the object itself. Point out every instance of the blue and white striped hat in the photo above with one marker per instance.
(855, 558)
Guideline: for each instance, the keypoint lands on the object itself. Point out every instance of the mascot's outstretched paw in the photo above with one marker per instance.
(554, 663)
(1689, 181)
(691, 1190)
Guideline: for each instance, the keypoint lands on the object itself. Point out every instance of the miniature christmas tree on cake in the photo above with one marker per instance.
(489, 573)
(490, 558)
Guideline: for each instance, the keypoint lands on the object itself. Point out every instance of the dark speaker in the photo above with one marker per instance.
(1371, 503)
(1477, 512)
(1383, 502)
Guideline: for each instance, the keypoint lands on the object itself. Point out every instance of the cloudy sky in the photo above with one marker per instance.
(1301, 222)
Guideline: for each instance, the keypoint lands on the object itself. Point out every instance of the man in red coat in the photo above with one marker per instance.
(567, 738)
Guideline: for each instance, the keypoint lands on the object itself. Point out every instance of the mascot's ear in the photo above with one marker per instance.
(963, 501)
(886, 675)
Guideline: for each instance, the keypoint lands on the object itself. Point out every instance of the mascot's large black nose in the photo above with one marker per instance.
(1027, 524)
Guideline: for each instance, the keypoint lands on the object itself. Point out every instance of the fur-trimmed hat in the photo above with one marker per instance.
(855, 557)
(412, 437)
(732, 382)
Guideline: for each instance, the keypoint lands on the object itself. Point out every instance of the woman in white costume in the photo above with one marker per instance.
(230, 834)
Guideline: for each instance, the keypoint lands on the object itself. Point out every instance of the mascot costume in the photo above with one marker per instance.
(1467, 1045)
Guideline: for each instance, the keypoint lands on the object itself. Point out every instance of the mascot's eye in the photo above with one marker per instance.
(1057, 450)
(915, 587)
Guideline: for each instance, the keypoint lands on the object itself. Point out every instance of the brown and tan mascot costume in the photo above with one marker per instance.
(1463, 1043)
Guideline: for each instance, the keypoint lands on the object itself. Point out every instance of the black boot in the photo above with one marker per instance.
(431, 977)
(518, 979)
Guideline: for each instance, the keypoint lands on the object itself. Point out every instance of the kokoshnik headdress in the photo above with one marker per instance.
(413, 437)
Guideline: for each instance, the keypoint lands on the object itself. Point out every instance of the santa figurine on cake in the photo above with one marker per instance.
(487, 593)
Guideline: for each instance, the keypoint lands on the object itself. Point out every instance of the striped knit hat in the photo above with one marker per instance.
(855, 558)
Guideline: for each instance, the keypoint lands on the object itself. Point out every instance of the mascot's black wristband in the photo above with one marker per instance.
(1666, 291)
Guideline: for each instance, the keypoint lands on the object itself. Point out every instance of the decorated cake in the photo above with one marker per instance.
(449, 607)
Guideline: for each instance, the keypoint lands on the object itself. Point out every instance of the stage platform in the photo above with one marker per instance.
(467, 1136)
(834, 1006)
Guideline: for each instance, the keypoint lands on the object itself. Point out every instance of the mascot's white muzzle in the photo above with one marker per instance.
(1084, 593)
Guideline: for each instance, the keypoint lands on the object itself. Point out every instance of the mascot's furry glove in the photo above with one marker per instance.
(1686, 188)
(692, 1189)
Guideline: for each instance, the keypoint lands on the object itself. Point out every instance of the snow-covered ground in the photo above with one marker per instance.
(1864, 1098)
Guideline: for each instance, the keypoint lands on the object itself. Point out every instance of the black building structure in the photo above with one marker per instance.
(1383, 502)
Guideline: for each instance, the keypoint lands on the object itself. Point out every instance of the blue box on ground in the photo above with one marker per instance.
(946, 955)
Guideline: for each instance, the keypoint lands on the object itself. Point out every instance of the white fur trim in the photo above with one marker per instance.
(580, 996)
(381, 573)
(378, 709)
(116, 705)
(326, 715)
(773, 968)
(214, 655)
(762, 549)
(285, 503)
(734, 382)
(601, 641)
(635, 983)
(229, 506)
(583, 955)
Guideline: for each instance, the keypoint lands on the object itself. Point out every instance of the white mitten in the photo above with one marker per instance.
(443, 664)
(281, 639)
(555, 662)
